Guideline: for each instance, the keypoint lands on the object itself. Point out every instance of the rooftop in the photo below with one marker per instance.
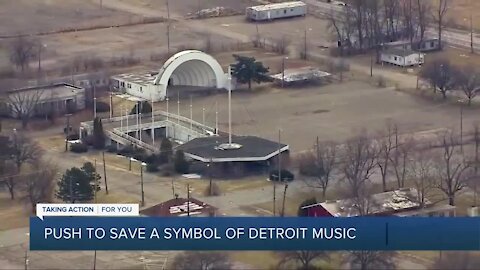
(278, 6)
(252, 148)
(399, 51)
(59, 90)
(382, 203)
(301, 74)
(145, 78)
(179, 207)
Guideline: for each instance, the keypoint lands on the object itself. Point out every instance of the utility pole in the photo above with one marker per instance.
(229, 105)
(121, 118)
(476, 136)
(140, 127)
(283, 71)
(188, 200)
(210, 175)
(284, 198)
(94, 101)
(173, 186)
(178, 107)
(111, 105)
(471, 29)
(279, 172)
(126, 114)
(371, 65)
(136, 132)
(67, 131)
(461, 127)
(141, 184)
(168, 27)
(105, 172)
(305, 45)
(216, 118)
(191, 113)
(153, 128)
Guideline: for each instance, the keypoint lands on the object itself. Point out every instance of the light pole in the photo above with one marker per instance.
(283, 70)
(141, 182)
(67, 131)
(461, 124)
(40, 46)
(94, 107)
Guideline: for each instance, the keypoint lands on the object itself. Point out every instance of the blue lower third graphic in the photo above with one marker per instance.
(254, 233)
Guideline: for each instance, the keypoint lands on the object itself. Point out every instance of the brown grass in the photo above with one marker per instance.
(13, 214)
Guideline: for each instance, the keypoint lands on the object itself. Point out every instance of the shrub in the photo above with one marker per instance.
(151, 159)
(140, 156)
(152, 167)
(381, 82)
(102, 106)
(127, 150)
(214, 191)
(78, 148)
(112, 148)
(181, 165)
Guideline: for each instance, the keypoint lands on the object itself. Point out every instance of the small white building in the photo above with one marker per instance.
(276, 11)
(402, 57)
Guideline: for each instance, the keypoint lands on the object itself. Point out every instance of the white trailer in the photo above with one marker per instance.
(276, 11)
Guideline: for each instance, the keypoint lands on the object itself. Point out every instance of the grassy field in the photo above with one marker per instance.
(13, 214)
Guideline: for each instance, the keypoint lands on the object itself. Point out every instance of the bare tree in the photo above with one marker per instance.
(423, 9)
(421, 172)
(202, 261)
(320, 165)
(359, 164)
(441, 74)
(8, 176)
(476, 141)
(280, 45)
(468, 79)
(39, 185)
(22, 51)
(23, 104)
(371, 260)
(452, 170)
(400, 158)
(24, 150)
(386, 143)
(439, 16)
(303, 259)
(392, 15)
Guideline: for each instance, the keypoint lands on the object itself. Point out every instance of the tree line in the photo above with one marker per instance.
(445, 77)
(367, 24)
(442, 164)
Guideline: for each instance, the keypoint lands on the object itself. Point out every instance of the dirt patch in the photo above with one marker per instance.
(27, 17)
(13, 214)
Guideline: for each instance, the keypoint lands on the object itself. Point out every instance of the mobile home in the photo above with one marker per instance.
(276, 11)
(402, 57)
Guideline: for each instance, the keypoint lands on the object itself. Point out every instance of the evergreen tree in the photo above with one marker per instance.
(144, 108)
(181, 165)
(165, 151)
(92, 174)
(75, 185)
(98, 134)
(247, 69)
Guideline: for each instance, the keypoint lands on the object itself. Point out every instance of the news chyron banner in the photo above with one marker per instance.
(120, 227)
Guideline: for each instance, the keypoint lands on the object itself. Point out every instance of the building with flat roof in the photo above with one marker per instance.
(400, 203)
(244, 155)
(402, 57)
(59, 98)
(180, 207)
